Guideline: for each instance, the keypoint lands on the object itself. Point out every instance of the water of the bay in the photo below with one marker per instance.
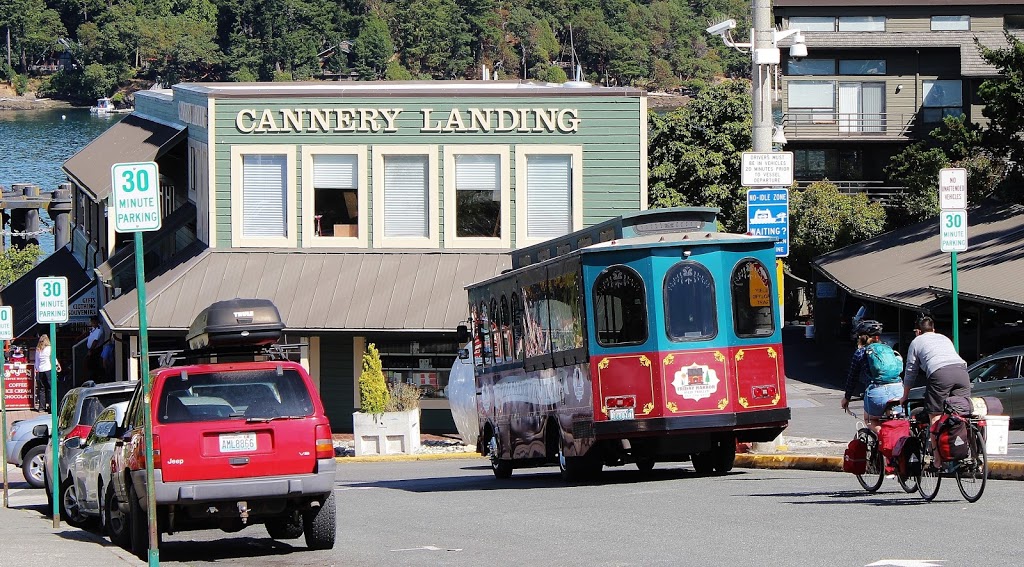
(35, 143)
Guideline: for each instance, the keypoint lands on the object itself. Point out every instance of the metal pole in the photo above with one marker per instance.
(3, 417)
(761, 75)
(140, 287)
(956, 306)
(54, 473)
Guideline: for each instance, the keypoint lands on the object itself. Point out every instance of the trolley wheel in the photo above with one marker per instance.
(703, 463)
(724, 455)
(972, 473)
(874, 472)
(645, 464)
(500, 467)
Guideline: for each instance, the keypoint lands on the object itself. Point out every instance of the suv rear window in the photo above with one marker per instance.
(242, 394)
(93, 405)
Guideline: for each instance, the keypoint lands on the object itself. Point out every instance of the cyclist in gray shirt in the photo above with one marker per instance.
(934, 355)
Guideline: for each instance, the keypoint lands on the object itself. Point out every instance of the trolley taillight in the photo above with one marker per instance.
(620, 401)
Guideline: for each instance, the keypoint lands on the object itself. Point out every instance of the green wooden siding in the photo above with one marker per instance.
(609, 133)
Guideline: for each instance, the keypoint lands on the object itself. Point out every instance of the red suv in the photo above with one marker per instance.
(234, 444)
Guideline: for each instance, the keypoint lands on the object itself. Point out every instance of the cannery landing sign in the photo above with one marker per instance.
(385, 120)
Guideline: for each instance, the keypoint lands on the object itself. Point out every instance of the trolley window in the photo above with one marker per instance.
(564, 307)
(620, 307)
(537, 340)
(752, 299)
(690, 313)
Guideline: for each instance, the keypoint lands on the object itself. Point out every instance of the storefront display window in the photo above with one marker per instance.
(425, 364)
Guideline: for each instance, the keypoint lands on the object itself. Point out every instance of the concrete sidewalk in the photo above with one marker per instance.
(30, 538)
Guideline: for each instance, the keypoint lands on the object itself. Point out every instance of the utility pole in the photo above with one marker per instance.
(761, 76)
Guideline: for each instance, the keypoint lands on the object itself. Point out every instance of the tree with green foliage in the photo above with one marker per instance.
(822, 219)
(695, 152)
(16, 262)
(1004, 107)
(372, 49)
(373, 389)
(433, 39)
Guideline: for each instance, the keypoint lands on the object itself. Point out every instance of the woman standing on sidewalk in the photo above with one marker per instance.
(43, 368)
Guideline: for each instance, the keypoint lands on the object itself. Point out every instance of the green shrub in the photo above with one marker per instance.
(403, 397)
(20, 84)
(373, 390)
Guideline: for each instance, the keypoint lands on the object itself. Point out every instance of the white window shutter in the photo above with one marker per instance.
(264, 199)
(477, 173)
(405, 197)
(548, 195)
(334, 171)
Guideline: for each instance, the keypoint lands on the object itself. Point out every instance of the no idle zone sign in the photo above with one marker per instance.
(136, 196)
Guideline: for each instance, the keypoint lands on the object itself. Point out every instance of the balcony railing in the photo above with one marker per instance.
(826, 124)
(875, 190)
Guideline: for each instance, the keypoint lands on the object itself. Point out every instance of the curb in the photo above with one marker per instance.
(401, 457)
(997, 470)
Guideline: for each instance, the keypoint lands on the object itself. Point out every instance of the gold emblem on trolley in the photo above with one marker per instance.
(739, 355)
(669, 359)
(744, 402)
(672, 406)
(722, 403)
(776, 399)
(648, 408)
(719, 356)
(772, 353)
(644, 361)
(603, 364)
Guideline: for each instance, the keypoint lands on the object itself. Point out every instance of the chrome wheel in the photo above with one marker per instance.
(500, 467)
(72, 507)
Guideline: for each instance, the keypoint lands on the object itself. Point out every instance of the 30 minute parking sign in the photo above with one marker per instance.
(136, 196)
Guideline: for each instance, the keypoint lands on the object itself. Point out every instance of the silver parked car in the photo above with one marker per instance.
(90, 472)
(26, 448)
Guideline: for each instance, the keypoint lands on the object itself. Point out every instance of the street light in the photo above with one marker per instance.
(765, 56)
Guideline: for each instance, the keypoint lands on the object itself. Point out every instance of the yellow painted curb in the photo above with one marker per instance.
(404, 457)
(806, 462)
(1006, 470)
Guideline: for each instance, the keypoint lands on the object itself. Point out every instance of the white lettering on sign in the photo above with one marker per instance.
(238, 314)
(385, 120)
(767, 169)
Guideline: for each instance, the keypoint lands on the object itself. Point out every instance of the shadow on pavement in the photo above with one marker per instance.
(226, 548)
(815, 362)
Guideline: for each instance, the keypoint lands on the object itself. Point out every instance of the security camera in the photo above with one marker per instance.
(799, 48)
(722, 28)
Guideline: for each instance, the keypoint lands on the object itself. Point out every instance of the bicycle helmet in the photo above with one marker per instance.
(869, 327)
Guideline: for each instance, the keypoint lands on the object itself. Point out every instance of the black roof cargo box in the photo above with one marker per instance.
(236, 322)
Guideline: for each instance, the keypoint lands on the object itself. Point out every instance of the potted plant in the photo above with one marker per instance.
(388, 420)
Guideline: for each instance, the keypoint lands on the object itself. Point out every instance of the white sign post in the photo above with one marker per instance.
(953, 229)
(136, 196)
(767, 169)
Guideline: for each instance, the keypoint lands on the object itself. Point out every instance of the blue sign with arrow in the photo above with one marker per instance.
(768, 215)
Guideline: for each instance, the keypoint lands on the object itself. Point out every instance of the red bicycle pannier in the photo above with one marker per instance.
(891, 432)
(905, 454)
(951, 432)
(855, 460)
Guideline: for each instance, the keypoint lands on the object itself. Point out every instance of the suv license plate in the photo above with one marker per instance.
(237, 442)
(620, 414)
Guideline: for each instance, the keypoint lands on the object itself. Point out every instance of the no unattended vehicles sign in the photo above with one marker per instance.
(136, 196)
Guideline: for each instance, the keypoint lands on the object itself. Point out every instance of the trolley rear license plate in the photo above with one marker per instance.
(237, 442)
(620, 414)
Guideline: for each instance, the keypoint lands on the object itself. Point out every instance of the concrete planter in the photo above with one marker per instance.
(388, 433)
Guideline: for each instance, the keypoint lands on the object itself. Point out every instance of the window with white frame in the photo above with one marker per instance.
(263, 195)
(334, 196)
(813, 23)
(405, 196)
(951, 23)
(477, 196)
(549, 192)
(861, 23)
(812, 101)
(941, 99)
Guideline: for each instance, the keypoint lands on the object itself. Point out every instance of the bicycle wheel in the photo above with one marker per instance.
(909, 483)
(928, 479)
(972, 472)
(874, 472)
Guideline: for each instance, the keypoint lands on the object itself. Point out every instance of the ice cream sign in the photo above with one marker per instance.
(695, 382)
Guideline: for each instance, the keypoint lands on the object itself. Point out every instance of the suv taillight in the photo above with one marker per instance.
(79, 431)
(324, 444)
(157, 459)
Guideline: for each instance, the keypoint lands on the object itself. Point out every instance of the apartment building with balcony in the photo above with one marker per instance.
(880, 76)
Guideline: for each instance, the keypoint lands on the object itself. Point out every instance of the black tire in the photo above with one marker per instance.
(645, 464)
(138, 526)
(928, 478)
(115, 521)
(703, 463)
(874, 472)
(500, 467)
(319, 525)
(724, 455)
(70, 509)
(907, 483)
(285, 527)
(972, 474)
(575, 469)
(32, 466)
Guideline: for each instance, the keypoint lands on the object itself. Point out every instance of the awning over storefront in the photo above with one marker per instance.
(21, 293)
(906, 268)
(134, 139)
(317, 291)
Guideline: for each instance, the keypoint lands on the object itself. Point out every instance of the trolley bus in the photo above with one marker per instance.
(651, 337)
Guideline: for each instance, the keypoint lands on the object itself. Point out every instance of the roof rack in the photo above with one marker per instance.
(169, 358)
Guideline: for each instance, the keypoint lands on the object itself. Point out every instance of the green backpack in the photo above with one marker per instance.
(884, 366)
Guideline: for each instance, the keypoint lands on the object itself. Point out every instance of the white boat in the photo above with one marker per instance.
(106, 106)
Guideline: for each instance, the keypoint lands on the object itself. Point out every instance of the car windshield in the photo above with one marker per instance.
(249, 394)
(94, 404)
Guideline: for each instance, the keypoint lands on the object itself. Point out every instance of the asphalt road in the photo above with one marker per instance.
(455, 513)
